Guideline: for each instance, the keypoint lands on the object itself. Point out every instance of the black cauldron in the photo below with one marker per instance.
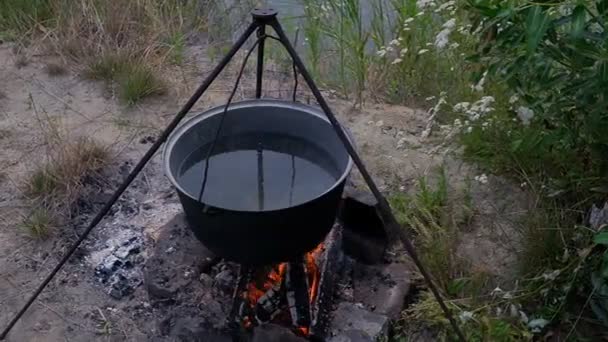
(259, 236)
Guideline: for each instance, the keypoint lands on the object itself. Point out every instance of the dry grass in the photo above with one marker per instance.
(149, 33)
(68, 166)
(56, 185)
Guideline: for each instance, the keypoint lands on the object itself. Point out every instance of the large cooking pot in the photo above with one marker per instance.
(259, 235)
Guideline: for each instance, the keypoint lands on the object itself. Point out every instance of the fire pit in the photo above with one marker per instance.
(260, 184)
(273, 181)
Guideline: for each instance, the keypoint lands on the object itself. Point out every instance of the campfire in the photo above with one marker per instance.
(284, 294)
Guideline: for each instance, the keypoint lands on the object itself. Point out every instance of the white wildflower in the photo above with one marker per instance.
(457, 124)
(537, 325)
(525, 114)
(430, 98)
(480, 108)
(496, 291)
(450, 24)
(454, 46)
(461, 107)
(397, 61)
(523, 185)
(423, 51)
(469, 129)
(389, 48)
(513, 311)
(422, 4)
(408, 20)
(465, 316)
(420, 13)
(565, 10)
(381, 52)
(407, 29)
(523, 317)
(482, 81)
(596, 28)
(446, 5)
(483, 178)
(513, 99)
(443, 37)
(403, 52)
(394, 42)
(429, 44)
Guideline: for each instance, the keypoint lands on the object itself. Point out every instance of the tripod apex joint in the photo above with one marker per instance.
(264, 14)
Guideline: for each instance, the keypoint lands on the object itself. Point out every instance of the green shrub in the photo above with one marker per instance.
(551, 58)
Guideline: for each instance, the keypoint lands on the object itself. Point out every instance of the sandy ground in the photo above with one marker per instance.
(75, 306)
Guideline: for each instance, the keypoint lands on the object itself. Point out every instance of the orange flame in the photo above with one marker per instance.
(276, 276)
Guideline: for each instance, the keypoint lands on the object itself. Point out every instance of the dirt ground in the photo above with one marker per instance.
(76, 306)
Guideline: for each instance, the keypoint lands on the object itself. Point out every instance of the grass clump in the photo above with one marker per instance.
(138, 83)
(39, 223)
(67, 168)
(430, 216)
(135, 81)
(56, 185)
(18, 16)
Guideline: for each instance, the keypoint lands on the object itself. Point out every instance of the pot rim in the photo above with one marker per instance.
(191, 122)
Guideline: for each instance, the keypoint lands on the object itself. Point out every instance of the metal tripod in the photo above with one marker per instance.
(261, 19)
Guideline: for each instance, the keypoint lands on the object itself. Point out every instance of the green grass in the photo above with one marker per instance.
(138, 83)
(177, 47)
(19, 16)
(135, 80)
(429, 215)
(39, 224)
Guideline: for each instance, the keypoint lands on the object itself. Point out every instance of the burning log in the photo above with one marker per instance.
(298, 297)
(269, 305)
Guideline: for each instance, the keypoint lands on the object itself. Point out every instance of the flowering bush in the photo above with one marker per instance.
(551, 55)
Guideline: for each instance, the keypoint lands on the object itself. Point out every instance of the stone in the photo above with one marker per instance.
(382, 288)
(364, 236)
(225, 281)
(206, 279)
(275, 333)
(352, 336)
(354, 323)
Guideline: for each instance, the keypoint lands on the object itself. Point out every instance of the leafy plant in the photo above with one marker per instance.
(551, 55)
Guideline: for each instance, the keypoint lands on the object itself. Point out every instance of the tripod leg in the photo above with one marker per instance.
(140, 165)
(260, 67)
(383, 206)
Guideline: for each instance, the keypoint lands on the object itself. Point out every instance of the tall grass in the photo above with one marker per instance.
(19, 16)
(388, 49)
